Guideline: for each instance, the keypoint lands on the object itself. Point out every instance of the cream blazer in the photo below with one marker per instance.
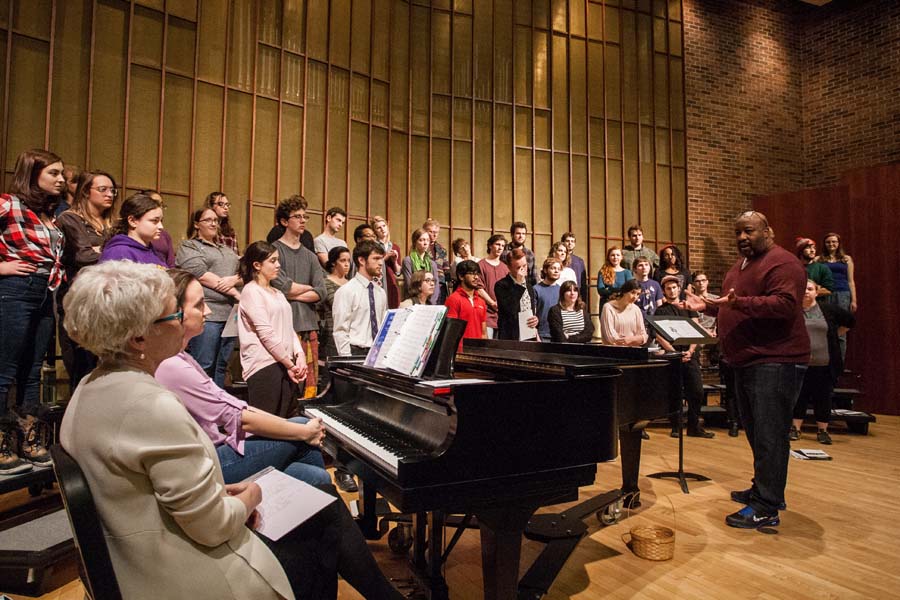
(172, 530)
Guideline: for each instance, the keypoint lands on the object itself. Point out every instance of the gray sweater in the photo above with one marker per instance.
(198, 257)
(300, 266)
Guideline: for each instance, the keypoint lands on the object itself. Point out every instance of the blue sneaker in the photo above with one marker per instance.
(747, 518)
(743, 497)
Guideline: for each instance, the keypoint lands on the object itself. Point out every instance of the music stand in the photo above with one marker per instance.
(679, 331)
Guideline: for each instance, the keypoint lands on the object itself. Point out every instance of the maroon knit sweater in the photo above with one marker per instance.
(765, 324)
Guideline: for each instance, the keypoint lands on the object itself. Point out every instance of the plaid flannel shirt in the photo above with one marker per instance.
(24, 237)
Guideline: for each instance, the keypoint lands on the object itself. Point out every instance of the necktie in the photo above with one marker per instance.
(373, 319)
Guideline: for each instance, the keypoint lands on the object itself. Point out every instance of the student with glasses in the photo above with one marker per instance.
(85, 225)
(215, 266)
(421, 288)
(140, 222)
(222, 207)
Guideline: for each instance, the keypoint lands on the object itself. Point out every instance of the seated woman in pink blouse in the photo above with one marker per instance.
(272, 358)
(246, 439)
(621, 320)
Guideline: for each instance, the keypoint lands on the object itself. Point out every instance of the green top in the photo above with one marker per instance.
(821, 274)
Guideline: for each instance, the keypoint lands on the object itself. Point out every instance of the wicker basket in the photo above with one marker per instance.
(653, 542)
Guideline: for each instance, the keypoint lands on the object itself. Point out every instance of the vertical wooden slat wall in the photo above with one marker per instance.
(566, 114)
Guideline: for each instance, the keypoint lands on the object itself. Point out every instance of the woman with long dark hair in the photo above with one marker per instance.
(31, 248)
(226, 235)
(841, 265)
(272, 357)
(337, 267)
(215, 267)
(671, 263)
(85, 226)
(570, 319)
(140, 222)
(621, 321)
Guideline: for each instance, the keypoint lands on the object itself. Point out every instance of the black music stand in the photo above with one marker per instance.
(677, 331)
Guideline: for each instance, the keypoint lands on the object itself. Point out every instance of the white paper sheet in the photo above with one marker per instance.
(526, 332)
(408, 351)
(678, 329)
(286, 503)
(231, 328)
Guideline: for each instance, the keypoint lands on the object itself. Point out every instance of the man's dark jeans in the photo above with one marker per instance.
(766, 394)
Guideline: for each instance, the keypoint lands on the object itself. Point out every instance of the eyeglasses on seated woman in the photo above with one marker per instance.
(155, 475)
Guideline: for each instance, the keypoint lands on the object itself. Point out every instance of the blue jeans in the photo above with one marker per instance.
(26, 323)
(297, 459)
(766, 394)
(212, 351)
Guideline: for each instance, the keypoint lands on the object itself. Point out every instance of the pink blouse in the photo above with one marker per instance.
(266, 330)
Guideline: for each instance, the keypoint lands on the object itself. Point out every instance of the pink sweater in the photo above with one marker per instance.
(616, 325)
(266, 330)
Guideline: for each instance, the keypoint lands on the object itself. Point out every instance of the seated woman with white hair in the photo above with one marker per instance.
(155, 475)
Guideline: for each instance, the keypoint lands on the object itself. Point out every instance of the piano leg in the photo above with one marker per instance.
(368, 509)
(427, 559)
(501, 548)
(630, 452)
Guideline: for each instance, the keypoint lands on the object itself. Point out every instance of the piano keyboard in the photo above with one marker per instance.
(376, 442)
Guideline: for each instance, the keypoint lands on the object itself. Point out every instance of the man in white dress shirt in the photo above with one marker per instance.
(360, 304)
(358, 310)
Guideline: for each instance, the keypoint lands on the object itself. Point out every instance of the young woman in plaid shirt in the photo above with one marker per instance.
(31, 248)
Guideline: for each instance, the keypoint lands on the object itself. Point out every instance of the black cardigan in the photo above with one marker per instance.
(509, 294)
(556, 326)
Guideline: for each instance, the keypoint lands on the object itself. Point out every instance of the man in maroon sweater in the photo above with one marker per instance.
(763, 337)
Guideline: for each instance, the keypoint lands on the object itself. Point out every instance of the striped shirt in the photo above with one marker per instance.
(573, 321)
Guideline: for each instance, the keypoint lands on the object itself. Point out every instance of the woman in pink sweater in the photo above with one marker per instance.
(272, 358)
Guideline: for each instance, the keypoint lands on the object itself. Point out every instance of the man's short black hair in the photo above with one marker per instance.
(366, 248)
(465, 267)
(357, 233)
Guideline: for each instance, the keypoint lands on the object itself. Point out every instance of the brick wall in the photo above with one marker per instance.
(850, 59)
(742, 88)
(780, 96)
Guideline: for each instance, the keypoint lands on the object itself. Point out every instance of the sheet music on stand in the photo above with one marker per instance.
(406, 339)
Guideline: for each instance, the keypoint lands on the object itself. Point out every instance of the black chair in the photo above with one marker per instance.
(97, 573)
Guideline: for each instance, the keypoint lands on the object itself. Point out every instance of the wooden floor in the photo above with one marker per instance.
(839, 537)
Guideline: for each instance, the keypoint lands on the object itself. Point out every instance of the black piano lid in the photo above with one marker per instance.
(569, 360)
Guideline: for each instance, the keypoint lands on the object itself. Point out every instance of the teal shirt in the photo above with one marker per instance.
(821, 274)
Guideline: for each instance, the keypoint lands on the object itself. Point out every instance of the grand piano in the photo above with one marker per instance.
(519, 426)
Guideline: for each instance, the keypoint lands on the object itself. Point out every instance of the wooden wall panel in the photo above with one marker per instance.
(27, 96)
(291, 150)
(567, 114)
(71, 68)
(265, 152)
(143, 128)
(176, 160)
(108, 86)
(208, 136)
(847, 208)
